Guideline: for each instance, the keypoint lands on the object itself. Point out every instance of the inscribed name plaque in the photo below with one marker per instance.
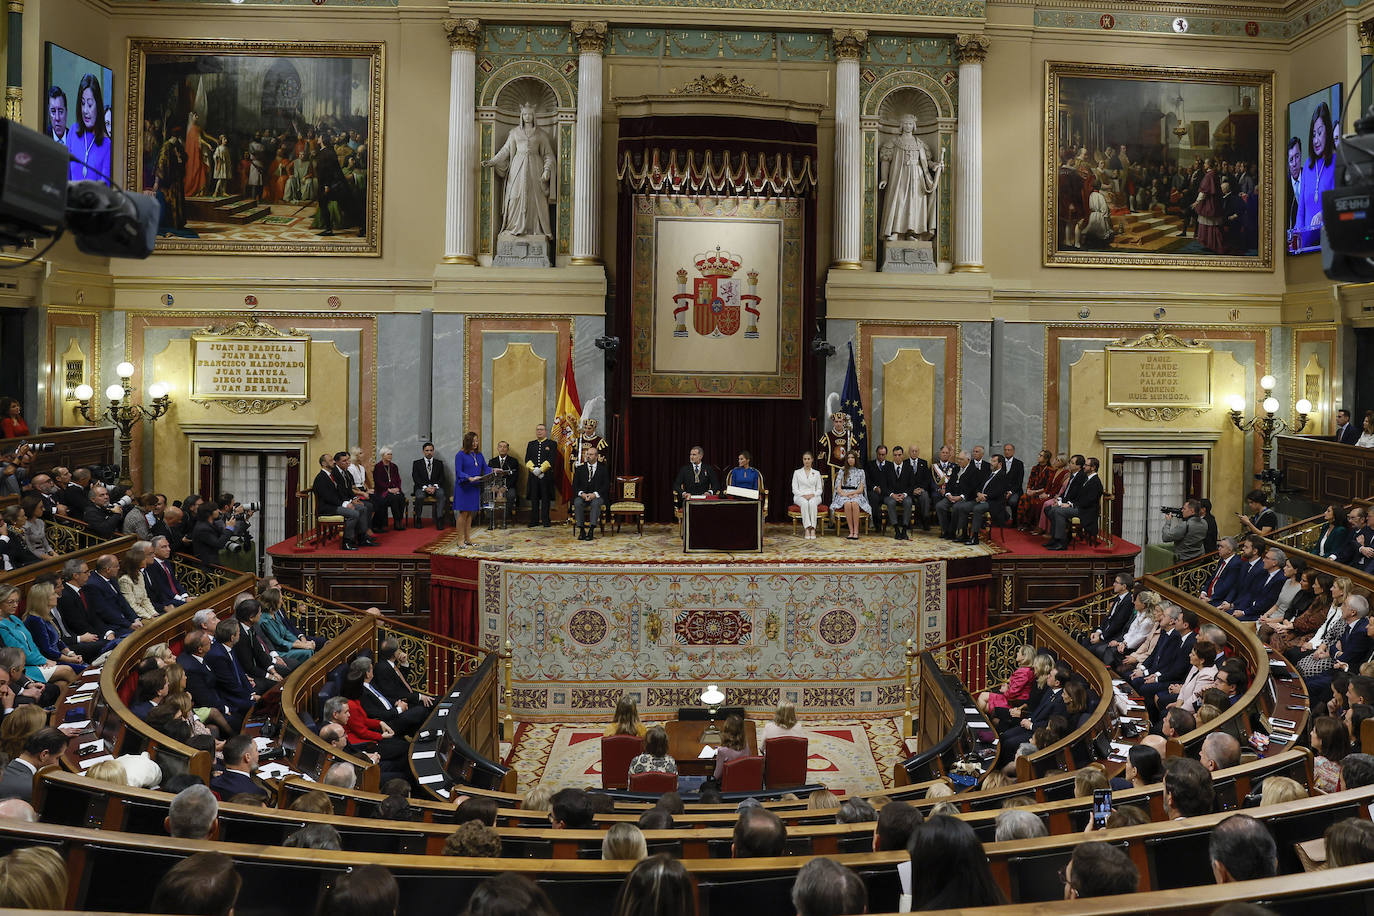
(253, 374)
(1175, 377)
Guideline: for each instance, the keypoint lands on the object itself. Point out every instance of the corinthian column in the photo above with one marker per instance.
(462, 140)
(586, 215)
(971, 50)
(849, 44)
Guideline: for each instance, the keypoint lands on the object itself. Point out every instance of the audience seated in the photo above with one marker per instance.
(1219, 751)
(240, 762)
(43, 748)
(473, 838)
(33, 878)
(570, 810)
(1242, 849)
(826, 888)
(1018, 824)
(624, 841)
(948, 867)
(758, 833)
(1349, 842)
(478, 808)
(1099, 870)
(508, 894)
(367, 890)
(655, 758)
(657, 886)
(315, 836)
(205, 884)
(1187, 788)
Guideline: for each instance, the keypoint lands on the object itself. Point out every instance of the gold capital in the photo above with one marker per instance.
(1366, 33)
(590, 35)
(16, 6)
(463, 34)
(970, 47)
(849, 43)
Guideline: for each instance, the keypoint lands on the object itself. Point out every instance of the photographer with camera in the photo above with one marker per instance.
(207, 538)
(1185, 529)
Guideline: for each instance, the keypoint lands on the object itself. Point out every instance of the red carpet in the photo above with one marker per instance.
(1034, 545)
(393, 544)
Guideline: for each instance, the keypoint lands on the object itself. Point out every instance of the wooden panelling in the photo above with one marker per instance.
(1325, 471)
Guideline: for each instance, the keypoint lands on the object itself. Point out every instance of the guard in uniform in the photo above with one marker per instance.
(838, 441)
(540, 455)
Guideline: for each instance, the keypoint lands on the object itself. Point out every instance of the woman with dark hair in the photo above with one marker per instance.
(12, 424)
(35, 534)
(732, 743)
(1331, 745)
(949, 869)
(364, 890)
(89, 145)
(1333, 535)
(1293, 597)
(1293, 633)
(850, 494)
(655, 758)
(744, 474)
(1318, 175)
(1076, 702)
(1144, 766)
(657, 886)
(509, 894)
(1037, 483)
(469, 466)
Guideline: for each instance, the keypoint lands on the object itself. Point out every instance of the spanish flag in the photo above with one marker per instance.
(567, 425)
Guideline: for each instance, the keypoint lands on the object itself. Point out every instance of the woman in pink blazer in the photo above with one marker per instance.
(1202, 676)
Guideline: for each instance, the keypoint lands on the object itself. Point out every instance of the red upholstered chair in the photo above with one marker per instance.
(743, 774)
(653, 781)
(616, 753)
(128, 688)
(784, 761)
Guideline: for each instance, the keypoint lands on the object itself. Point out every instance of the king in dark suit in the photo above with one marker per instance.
(989, 500)
(429, 481)
(540, 455)
(591, 486)
(696, 477)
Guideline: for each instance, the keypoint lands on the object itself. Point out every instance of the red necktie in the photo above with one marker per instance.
(168, 573)
(1213, 584)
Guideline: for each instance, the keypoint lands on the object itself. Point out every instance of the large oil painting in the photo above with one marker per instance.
(258, 147)
(1158, 167)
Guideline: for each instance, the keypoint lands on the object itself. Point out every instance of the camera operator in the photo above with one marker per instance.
(1209, 543)
(1186, 530)
(102, 517)
(210, 535)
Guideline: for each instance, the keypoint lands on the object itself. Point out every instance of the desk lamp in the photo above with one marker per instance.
(712, 697)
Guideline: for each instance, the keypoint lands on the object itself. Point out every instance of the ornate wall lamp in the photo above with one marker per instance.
(1268, 426)
(123, 413)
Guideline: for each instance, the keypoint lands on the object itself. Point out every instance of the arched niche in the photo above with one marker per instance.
(507, 89)
(895, 95)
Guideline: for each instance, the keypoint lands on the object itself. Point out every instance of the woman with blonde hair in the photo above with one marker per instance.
(1349, 842)
(537, 799)
(162, 653)
(1279, 789)
(13, 633)
(1016, 688)
(784, 722)
(626, 719)
(38, 621)
(822, 800)
(33, 878)
(108, 771)
(131, 580)
(732, 744)
(624, 841)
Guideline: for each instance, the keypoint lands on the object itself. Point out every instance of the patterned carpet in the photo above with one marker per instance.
(780, 545)
(854, 755)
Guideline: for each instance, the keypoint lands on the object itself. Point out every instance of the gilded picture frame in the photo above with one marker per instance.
(1127, 185)
(290, 143)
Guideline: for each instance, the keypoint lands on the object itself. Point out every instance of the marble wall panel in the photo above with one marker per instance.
(976, 365)
(447, 380)
(1019, 410)
(400, 375)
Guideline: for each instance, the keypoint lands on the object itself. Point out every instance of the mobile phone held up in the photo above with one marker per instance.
(1102, 807)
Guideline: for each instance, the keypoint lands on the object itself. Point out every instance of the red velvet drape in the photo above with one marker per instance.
(966, 607)
(453, 598)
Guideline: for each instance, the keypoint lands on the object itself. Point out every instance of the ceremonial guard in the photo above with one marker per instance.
(540, 455)
(838, 441)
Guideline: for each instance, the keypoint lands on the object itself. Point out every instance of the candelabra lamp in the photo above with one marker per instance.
(123, 413)
(1268, 426)
(712, 697)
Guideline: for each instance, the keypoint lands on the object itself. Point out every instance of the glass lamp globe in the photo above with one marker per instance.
(157, 390)
(114, 392)
(1268, 382)
(1236, 403)
(712, 695)
(1303, 405)
(1271, 405)
(124, 370)
(84, 392)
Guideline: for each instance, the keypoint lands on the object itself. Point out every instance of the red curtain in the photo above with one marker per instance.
(966, 607)
(453, 598)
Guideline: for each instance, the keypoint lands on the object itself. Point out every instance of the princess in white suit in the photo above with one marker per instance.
(807, 487)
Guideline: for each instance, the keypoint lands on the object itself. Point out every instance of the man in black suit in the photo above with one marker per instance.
(991, 499)
(1168, 670)
(47, 491)
(429, 480)
(696, 477)
(41, 749)
(231, 682)
(403, 718)
(71, 492)
(255, 656)
(200, 680)
(922, 487)
(981, 467)
(1051, 704)
(391, 675)
(240, 760)
(1076, 501)
(876, 473)
(335, 497)
(591, 485)
(101, 517)
(82, 631)
(105, 601)
(541, 454)
(963, 485)
(1016, 476)
(898, 483)
(1347, 432)
(503, 461)
(160, 578)
(1115, 622)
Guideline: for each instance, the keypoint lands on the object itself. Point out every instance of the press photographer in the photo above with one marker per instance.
(1185, 529)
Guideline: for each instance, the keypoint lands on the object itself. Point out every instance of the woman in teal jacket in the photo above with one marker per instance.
(37, 666)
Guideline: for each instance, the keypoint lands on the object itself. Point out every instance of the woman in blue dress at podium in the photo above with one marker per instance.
(744, 476)
(469, 466)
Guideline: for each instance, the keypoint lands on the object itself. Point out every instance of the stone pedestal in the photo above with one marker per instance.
(909, 256)
(514, 251)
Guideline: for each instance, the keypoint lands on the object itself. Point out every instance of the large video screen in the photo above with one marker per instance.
(78, 105)
(1310, 164)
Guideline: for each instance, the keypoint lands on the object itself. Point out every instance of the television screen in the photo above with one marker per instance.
(78, 112)
(1309, 165)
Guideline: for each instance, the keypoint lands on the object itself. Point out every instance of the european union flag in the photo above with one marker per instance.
(853, 405)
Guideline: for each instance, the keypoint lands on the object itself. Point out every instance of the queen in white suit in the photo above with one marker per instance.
(807, 489)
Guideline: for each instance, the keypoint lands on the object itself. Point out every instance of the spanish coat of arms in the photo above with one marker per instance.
(717, 304)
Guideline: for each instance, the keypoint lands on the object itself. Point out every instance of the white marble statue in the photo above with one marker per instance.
(526, 161)
(911, 179)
